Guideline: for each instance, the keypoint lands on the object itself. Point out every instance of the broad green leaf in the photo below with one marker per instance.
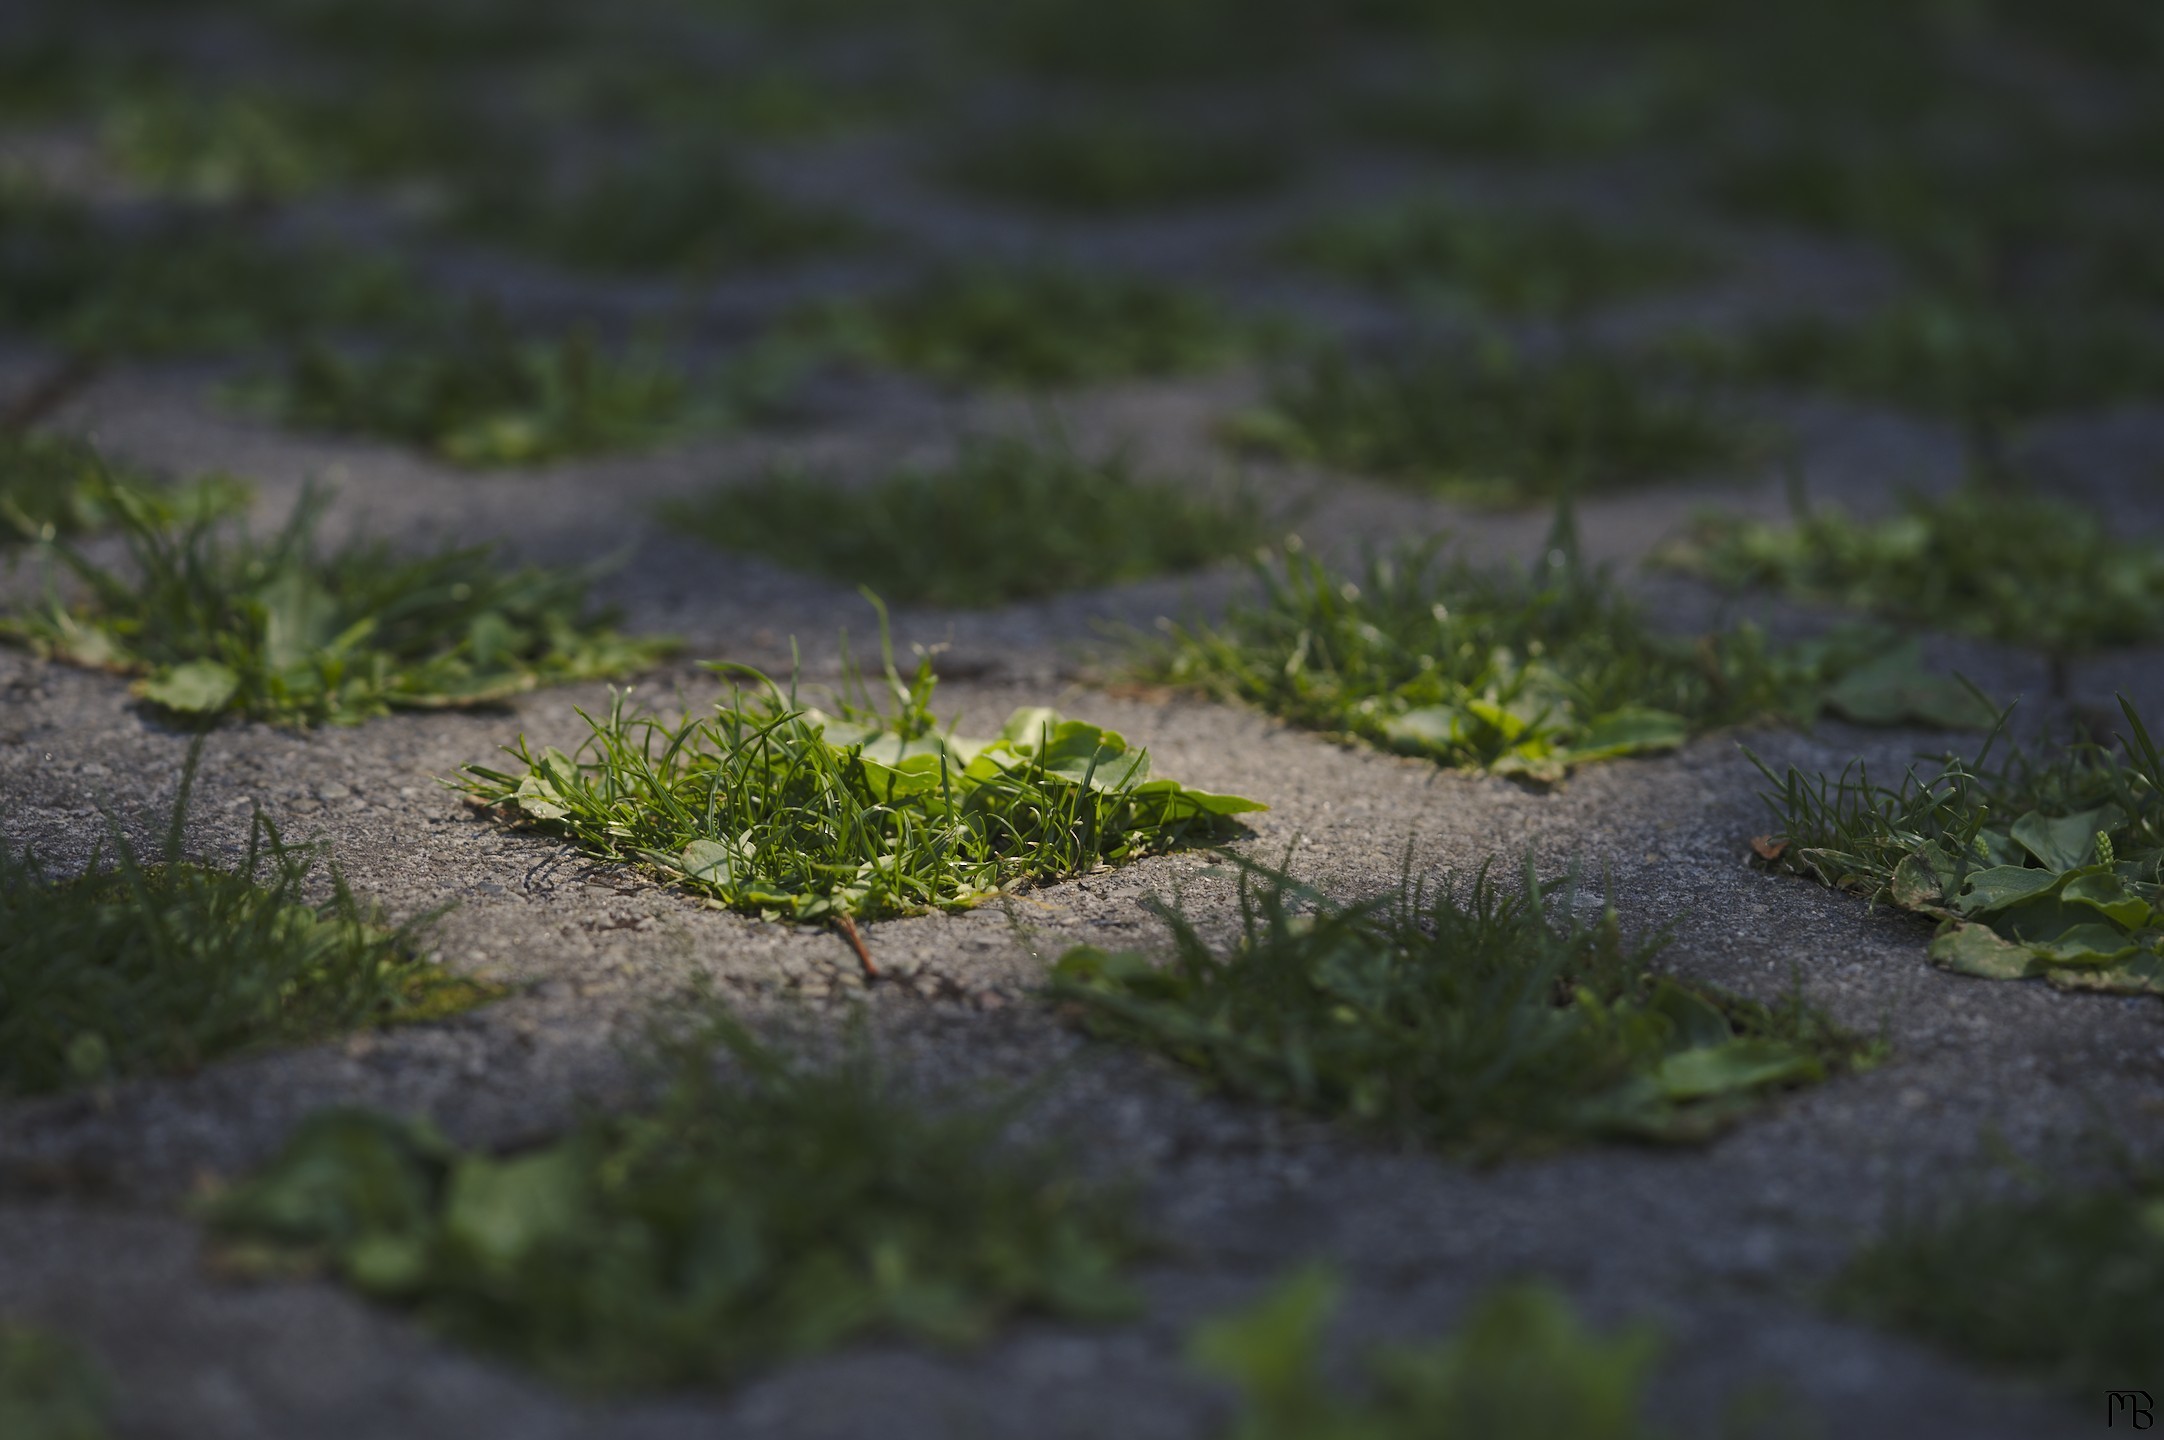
(1699, 1023)
(1428, 730)
(1204, 802)
(2141, 973)
(200, 687)
(1972, 948)
(1916, 883)
(1028, 726)
(2000, 886)
(1738, 1065)
(1079, 751)
(1895, 689)
(500, 1211)
(2090, 944)
(709, 862)
(2102, 890)
(2066, 842)
(1629, 731)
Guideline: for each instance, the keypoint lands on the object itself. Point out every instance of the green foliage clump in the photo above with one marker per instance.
(675, 207)
(1033, 327)
(141, 966)
(54, 485)
(2020, 568)
(1533, 263)
(737, 1225)
(1982, 365)
(1474, 1019)
(1519, 1366)
(189, 284)
(778, 809)
(1008, 520)
(1489, 427)
(49, 1390)
(2048, 866)
(2062, 1283)
(221, 623)
(1526, 675)
(481, 396)
(259, 146)
(1119, 163)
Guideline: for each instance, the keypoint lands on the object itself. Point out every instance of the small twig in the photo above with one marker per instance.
(48, 394)
(848, 927)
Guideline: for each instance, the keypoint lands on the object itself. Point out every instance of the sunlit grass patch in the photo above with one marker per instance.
(2044, 864)
(188, 283)
(1529, 263)
(479, 395)
(1119, 163)
(159, 963)
(2011, 566)
(742, 1222)
(675, 206)
(2054, 1281)
(217, 622)
(1008, 519)
(769, 806)
(1490, 426)
(55, 485)
(256, 146)
(49, 1389)
(1519, 1365)
(1526, 674)
(1031, 327)
(1466, 1016)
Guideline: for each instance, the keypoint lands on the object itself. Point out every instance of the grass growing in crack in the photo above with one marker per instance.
(1467, 1017)
(1031, 327)
(1007, 520)
(1526, 674)
(55, 485)
(217, 622)
(145, 964)
(2062, 1283)
(2024, 569)
(1532, 263)
(1116, 163)
(1490, 427)
(258, 146)
(49, 1389)
(1982, 365)
(478, 395)
(192, 283)
(675, 208)
(2048, 864)
(774, 808)
(1518, 1366)
(738, 1224)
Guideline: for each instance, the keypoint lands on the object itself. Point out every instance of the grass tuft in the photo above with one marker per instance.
(2061, 1283)
(2048, 865)
(1522, 674)
(49, 1389)
(1490, 427)
(777, 809)
(1008, 520)
(1519, 1366)
(480, 396)
(188, 284)
(1468, 1018)
(737, 1225)
(141, 965)
(676, 207)
(1031, 327)
(55, 485)
(1533, 263)
(2019, 568)
(1119, 163)
(217, 622)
